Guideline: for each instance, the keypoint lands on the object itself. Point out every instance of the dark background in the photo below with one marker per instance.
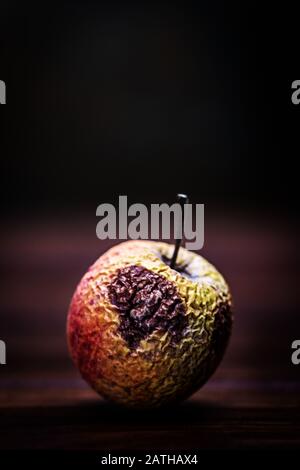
(111, 98)
(107, 98)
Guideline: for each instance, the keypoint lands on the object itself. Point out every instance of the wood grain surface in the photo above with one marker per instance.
(60, 412)
(252, 401)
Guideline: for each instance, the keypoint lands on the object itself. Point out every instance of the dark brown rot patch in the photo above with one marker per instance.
(222, 329)
(146, 302)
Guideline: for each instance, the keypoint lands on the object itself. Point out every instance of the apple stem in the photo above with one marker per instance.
(182, 199)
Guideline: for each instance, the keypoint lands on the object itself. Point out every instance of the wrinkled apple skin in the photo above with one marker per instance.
(157, 371)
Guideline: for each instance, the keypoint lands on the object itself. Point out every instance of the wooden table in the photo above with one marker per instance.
(58, 411)
(253, 400)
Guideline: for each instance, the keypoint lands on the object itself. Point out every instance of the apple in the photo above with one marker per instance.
(143, 334)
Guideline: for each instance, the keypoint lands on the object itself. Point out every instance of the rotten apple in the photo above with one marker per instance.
(143, 334)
